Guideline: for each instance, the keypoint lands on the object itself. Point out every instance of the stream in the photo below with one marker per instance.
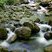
(37, 43)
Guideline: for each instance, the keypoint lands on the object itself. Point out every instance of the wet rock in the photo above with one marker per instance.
(48, 48)
(45, 22)
(24, 2)
(3, 33)
(44, 3)
(3, 49)
(42, 22)
(50, 22)
(23, 32)
(17, 25)
(12, 29)
(51, 29)
(34, 28)
(37, 20)
(50, 8)
(45, 30)
(48, 35)
(28, 24)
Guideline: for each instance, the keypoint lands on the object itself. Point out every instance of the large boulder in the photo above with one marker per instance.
(23, 32)
(3, 33)
(48, 35)
(48, 48)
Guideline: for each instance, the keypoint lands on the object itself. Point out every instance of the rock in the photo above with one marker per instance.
(42, 22)
(17, 25)
(44, 3)
(48, 48)
(37, 20)
(48, 36)
(50, 22)
(3, 33)
(28, 24)
(23, 32)
(3, 49)
(34, 28)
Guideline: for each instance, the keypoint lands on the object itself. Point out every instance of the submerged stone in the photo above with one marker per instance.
(36, 29)
(44, 3)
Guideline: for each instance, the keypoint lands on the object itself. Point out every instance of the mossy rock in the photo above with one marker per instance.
(48, 48)
(28, 24)
(3, 33)
(37, 20)
(23, 32)
(48, 35)
(34, 28)
(3, 49)
(50, 22)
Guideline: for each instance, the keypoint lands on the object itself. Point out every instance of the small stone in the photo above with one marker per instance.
(44, 3)
(48, 36)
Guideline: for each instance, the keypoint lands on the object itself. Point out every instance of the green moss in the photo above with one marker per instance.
(3, 33)
(3, 49)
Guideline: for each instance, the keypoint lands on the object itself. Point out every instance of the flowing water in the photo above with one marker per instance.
(35, 45)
